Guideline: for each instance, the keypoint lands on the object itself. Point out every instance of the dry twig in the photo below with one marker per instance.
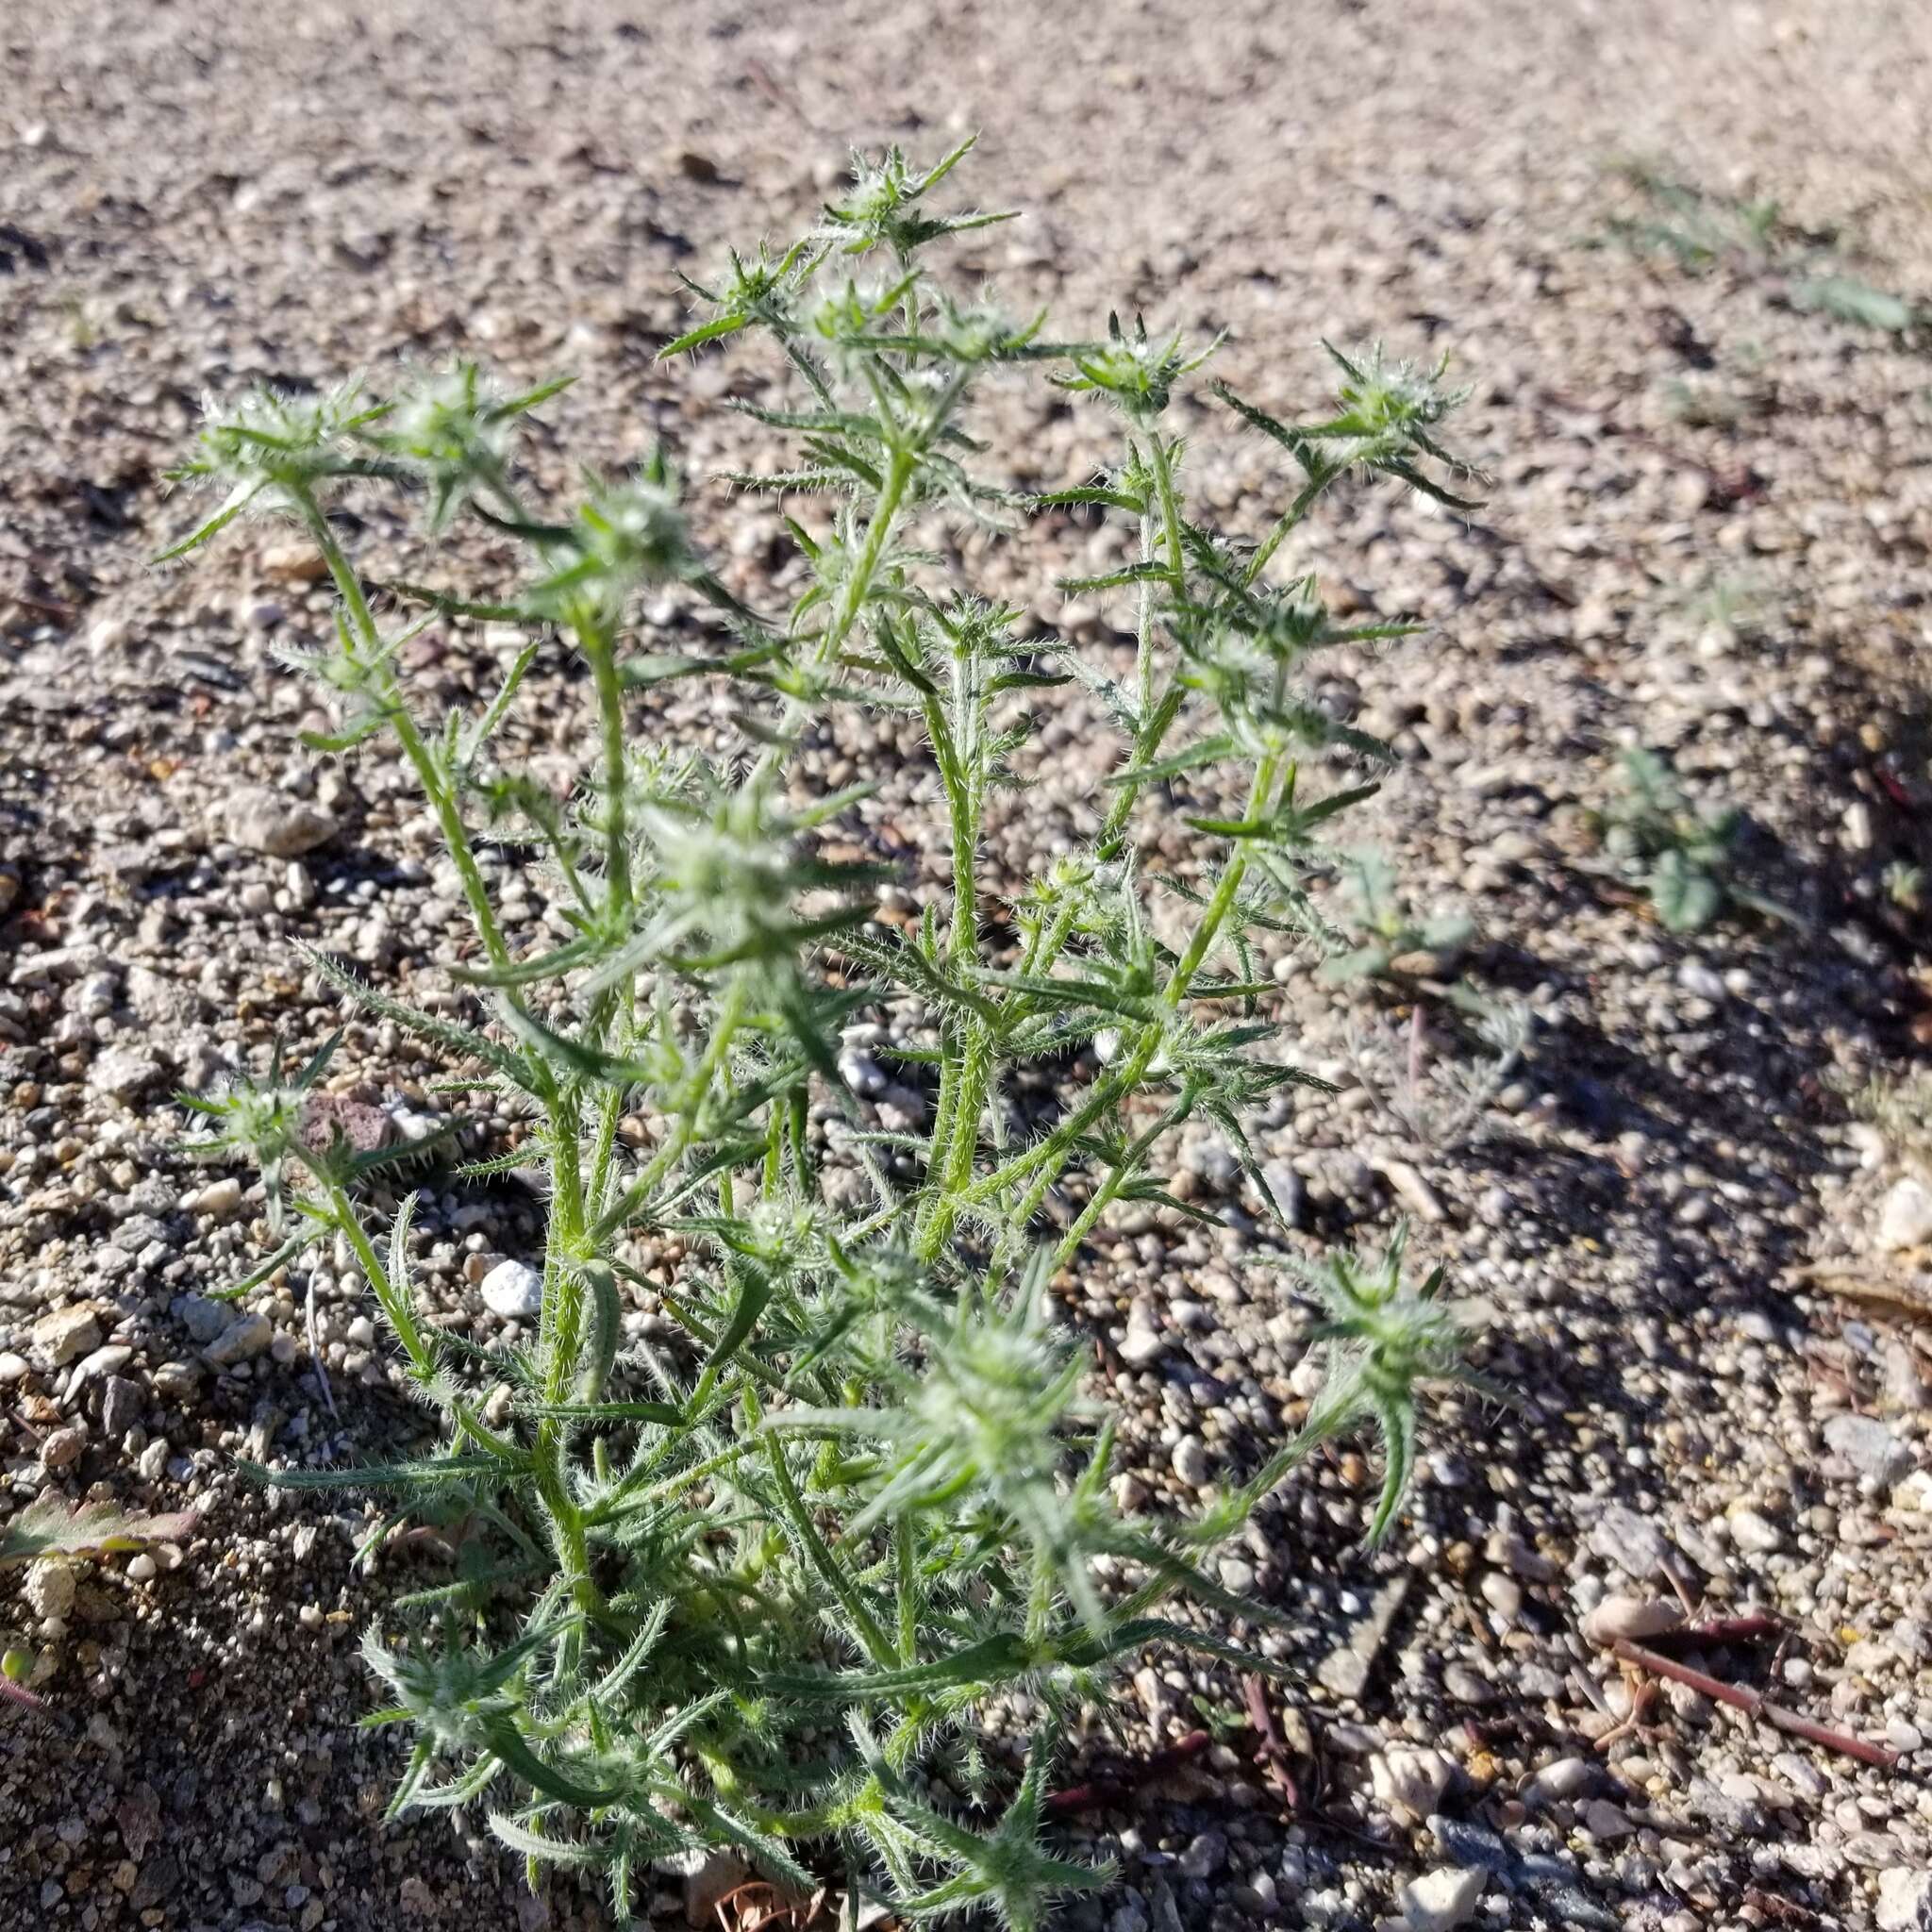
(1755, 1703)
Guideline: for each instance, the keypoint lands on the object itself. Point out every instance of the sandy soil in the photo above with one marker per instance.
(1707, 532)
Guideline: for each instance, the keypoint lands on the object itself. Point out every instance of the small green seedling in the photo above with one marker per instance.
(1905, 885)
(1704, 234)
(1684, 859)
(1384, 927)
(52, 1530)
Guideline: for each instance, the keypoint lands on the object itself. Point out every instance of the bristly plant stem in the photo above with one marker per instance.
(852, 600)
(441, 801)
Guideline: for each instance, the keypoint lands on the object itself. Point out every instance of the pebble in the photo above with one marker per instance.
(1520, 1559)
(64, 1333)
(1192, 1462)
(123, 1073)
(513, 1290)
(121, 1403)
(240, 1340)
(1633, 1618)
(1347, 1669)
(1291, 1193)
(863, 1074)
(1905, 1219)
(1695, 976)
(294, 564)
(1142, 1342)
(49, 1587)
(259, 818)
(1871, 1449)
(1205, 1854)
(1603, 1820)
(62, 1449)
(141, 1568)
(1562, 1781)
(1905, 1899)
(203, 1317)
(1503, 1594)
(1802, 1775)
(1756, 1534)
(1407, 1184)
(1410, 1781)
(220, 1198)
(1442, 1899)
(176, 1381)
(108, 1360)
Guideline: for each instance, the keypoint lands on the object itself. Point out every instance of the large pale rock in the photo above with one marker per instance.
(261, 819)
(1905, 1219)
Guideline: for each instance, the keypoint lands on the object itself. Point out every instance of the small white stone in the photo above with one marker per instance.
(1904, 1900)
(1410, 1782)
(64, 1333)
(122, 1073)
(1755, 1534)
(1631, 1617)
(1869, 1447)
(1503, 1594)
(1192, 1462)
(1442, 1899)
(240, 1340)
(1308, 1378)
(220, 1198)
(141, 1568)
(1205, 1855)
(513, 1290)
(293, 562)
(1407, 1184)
(1905, 1220)
(1913, 1495)
(1566, 1779)
(261, 819)
(1143, 1341)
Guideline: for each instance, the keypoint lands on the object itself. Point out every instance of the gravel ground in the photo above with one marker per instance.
(1704, 1282)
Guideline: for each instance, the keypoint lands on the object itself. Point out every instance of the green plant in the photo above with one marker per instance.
(1905, 885)
(738, 1592)
(1698, 231)
(1384, 927)
(1704, 233)
(52, 1530)
(1684, 859)
(1438, 1099)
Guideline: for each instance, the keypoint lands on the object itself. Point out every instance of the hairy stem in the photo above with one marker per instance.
(421, 759)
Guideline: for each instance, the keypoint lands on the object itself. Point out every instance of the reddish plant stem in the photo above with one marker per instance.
(1272, 1750)
(1754, 1702)
(1755, 1629)
(1106, 1790)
